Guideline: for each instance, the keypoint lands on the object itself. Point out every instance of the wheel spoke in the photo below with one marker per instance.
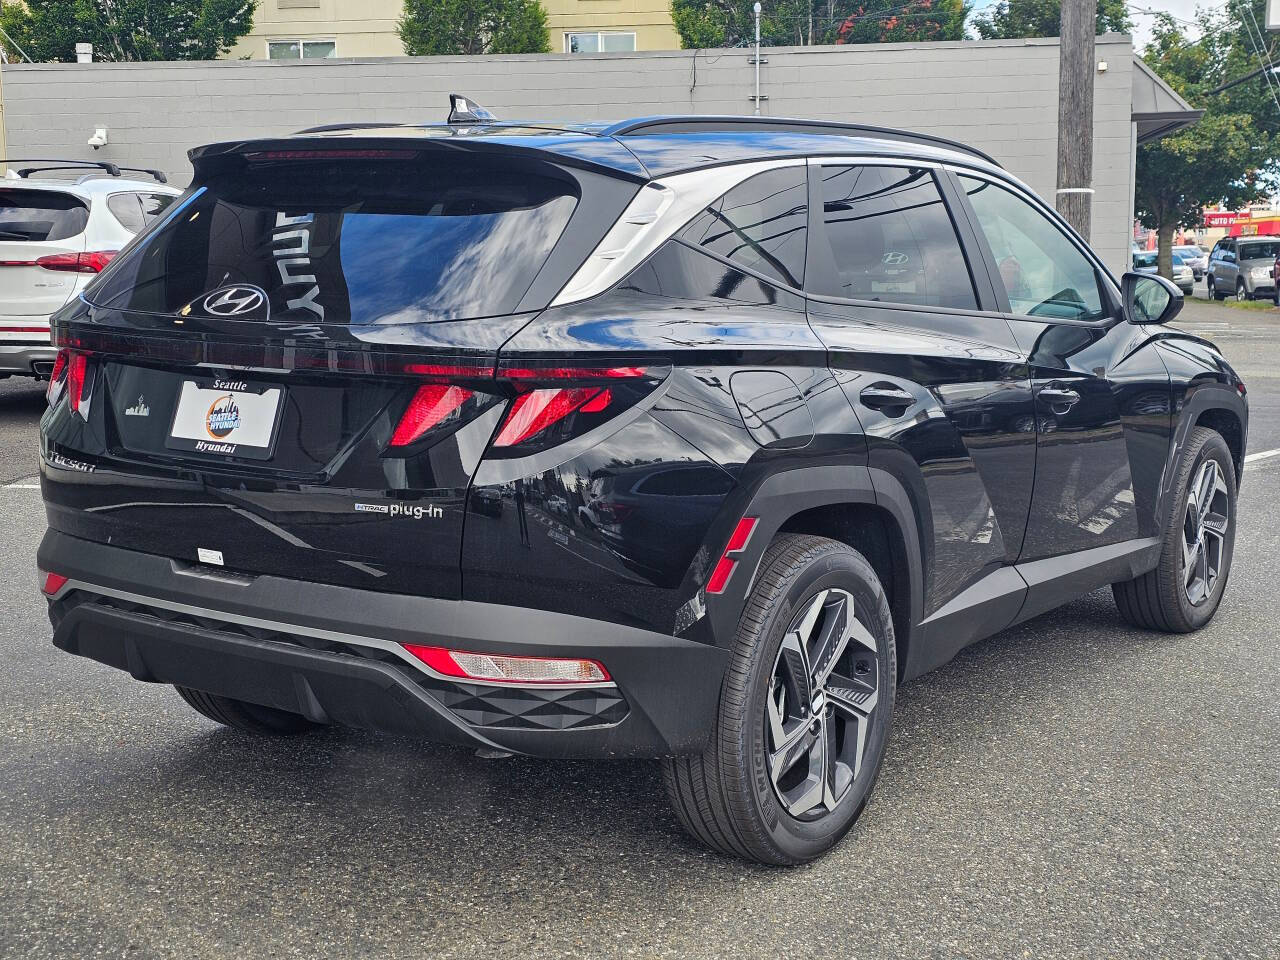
(832, 638)
(797, 742)
(1215, 525)
(854, 701)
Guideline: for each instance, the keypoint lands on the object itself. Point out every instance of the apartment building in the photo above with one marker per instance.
(308, 29)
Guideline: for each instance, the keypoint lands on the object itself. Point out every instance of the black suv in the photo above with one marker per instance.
(679, 437)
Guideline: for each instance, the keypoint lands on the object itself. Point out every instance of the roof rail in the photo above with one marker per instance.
(103, 166)
(712, 124)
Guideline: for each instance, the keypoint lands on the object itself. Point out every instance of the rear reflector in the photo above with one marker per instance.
(431, 405)
(52, 583)
(728, 562)
(88, 262)
(497, 668)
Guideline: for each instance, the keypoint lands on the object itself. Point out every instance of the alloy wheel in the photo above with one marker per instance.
(1204, 531)
(822, 694)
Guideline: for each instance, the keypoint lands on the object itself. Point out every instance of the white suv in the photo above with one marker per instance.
(55, 235)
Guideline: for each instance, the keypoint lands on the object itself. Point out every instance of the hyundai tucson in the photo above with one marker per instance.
(679, 437)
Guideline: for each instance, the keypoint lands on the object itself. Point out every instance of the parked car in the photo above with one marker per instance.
(1194, 257)
(824, 449)
(487, 500)
(55, 236)
(1148, 262)
(1242, 266)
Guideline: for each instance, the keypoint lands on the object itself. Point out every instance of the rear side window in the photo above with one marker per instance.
(40, 214)
(126, 209)
(350, 242)
(760, 224)
(892, 239)
(154, 204)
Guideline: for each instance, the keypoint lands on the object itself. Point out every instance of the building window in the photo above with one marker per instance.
(599, 43)
(301, 49)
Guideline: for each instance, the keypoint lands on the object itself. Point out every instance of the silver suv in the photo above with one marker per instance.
(1242, 267)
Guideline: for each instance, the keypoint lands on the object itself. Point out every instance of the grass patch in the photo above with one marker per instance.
(1237, 304)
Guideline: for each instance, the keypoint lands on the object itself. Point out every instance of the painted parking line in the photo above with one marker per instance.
(1262, 455)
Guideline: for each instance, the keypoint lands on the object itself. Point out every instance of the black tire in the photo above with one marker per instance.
(248, 717)
(1213, 291)
(1241, 293)
(726, 796)
(1161, 599)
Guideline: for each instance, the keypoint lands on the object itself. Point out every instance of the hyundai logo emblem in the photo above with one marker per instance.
(234, 301)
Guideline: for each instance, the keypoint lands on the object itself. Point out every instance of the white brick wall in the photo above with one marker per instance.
(1000, 96)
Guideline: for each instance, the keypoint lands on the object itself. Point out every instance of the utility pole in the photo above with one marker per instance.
(1075, 112)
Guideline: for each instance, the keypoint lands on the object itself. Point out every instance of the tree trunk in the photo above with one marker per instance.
(1164, 244)
(1075, 113)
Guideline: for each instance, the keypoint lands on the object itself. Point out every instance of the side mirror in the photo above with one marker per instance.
(1149, 298)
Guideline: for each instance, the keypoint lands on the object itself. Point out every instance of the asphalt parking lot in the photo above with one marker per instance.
(1068, 788)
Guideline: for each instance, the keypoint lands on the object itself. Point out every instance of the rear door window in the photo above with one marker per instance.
(892, 239)
(350, 242)
(39, 215)
(761, 224)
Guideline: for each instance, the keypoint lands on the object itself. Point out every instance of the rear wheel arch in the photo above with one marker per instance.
(842, 503)
(874, 532)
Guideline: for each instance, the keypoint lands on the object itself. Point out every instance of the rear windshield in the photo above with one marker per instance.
(40, 215)
(350, 242)
(1260, 250)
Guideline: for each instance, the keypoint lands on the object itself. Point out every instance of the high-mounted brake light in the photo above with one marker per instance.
(728, 562)
(497, 668)
(87, 262)
(432, 405)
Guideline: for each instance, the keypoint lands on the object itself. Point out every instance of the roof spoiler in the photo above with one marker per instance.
(105, 166)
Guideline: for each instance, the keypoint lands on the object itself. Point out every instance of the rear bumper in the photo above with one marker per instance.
(333, 654)
(25, 355)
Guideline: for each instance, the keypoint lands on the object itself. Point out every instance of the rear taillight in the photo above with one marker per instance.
(551, 403)
(433, 405)
(70, 375)
(547, 411)
(88, 262)
(497, 668)
(537, 410)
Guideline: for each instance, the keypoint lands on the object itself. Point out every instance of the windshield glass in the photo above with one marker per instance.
(1260, 250)
(349, 242)
(1144, 260)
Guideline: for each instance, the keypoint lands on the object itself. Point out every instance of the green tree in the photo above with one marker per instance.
(731, 23)
(1013, 19)
(126, 30)
(1231, 155)
(435, 27)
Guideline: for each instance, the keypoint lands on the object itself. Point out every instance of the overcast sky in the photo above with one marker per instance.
(1182, 9)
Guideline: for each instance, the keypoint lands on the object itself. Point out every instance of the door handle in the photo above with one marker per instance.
(885, 396)
(1059, 396)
